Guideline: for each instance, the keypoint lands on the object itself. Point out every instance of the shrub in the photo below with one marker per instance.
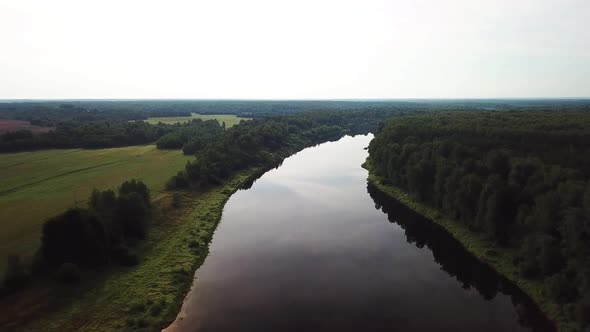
(138, 187)
(178, 181)
(15, 276)
(560, 288)
(155, 309)
(137, 308)
(132, 213)
(124, 256)
(74, 236)
(176, 200)
(68, 273)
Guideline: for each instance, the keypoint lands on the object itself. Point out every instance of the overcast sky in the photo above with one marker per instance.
(294, 49)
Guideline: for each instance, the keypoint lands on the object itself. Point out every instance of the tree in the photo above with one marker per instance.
(138, 187)
(74, 236)
(132, 211)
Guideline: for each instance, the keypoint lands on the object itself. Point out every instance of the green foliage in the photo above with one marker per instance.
(75, 236)
(264, 142)
(191, 137)
(37, 185)
(94, 237)
(521, 179)
(68, 273)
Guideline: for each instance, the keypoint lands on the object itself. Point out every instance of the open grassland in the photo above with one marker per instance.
(500, 259)
(229, 119)
(37, 185)
(144, 297)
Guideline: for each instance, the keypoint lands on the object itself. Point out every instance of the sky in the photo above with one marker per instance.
(302, 49)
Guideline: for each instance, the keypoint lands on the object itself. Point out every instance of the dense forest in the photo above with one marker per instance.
(46, 113)
(91, 135)
(115, 123)
(191, 137)
(519, 178)
(265, 142)
(106, 134)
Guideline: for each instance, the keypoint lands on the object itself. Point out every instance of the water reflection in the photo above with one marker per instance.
(456, 261)
(304, 249)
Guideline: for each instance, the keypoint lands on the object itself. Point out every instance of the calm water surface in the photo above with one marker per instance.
(311, 247)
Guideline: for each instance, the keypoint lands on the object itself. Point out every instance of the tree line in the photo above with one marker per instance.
(518, 178)
(265, 142)
(107, 134)
(192, 137)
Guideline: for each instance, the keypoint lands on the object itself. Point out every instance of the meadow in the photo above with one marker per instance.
(145, 297)
(37, 185)
(229, 119)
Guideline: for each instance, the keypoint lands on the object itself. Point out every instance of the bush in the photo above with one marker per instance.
(178, 181)
(15, 276)
(74, 236)
(138, 187)
(560, 288)
(124, 256)
(137, 308)
(155, 309)
(132, 213)
(176, 200)
(68, 273)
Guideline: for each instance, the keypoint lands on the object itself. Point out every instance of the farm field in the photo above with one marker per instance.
(37, 185)
(229, 119)
(8, 125)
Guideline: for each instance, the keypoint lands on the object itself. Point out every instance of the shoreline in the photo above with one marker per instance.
(147, 296)
(498, 258)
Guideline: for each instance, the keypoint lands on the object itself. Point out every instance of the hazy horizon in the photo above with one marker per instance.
(305, 99)
(296, 50)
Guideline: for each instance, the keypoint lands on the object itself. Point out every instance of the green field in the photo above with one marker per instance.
(147, 296)
(41, 184)
(229, 119)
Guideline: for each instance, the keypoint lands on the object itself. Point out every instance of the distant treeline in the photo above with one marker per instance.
(49, 111)
(103, 123)
(52, 114)
(519, 178)
(265, 142)
(106, 134)
(192, 137)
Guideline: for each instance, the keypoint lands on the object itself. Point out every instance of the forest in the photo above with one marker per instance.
(519, 178)
(116, 123)
(265, 142)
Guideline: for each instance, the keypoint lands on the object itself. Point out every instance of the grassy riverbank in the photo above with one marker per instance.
(487, 251)
(147, 296)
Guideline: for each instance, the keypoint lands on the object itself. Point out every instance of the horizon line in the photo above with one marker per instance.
(299, 99)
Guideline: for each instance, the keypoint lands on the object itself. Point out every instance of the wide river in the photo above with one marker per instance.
(311, 247)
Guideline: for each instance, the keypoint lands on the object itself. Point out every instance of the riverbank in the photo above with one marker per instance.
(499, 258)
(147, 296)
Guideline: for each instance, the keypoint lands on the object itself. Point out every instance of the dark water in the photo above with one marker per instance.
(311, 247)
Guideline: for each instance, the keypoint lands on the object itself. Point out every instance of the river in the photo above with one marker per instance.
(310, 246)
